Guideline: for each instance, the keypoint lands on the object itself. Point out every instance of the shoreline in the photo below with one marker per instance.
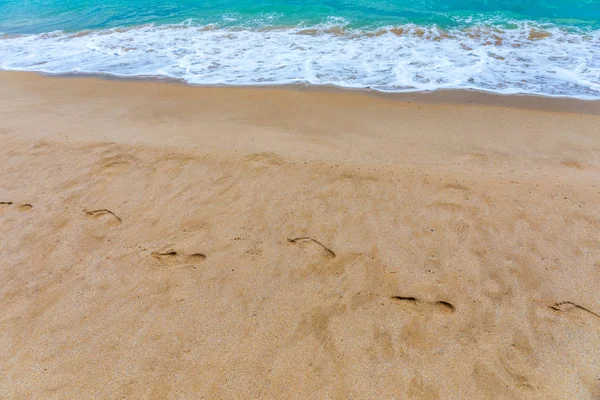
(516, 58)
(167, 241)
(438, 96)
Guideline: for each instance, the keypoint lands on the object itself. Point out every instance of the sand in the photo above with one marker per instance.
(162, 241)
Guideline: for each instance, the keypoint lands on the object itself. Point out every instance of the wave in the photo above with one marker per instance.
(523, 58)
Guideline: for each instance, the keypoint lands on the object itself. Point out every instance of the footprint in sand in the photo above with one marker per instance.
(308, 241)
(171, 257)
(425, 306)
(114, 165)
(456, 186)
(104, 215)
(24, 207)
(573, 164)
(573, 310)
(6, 205)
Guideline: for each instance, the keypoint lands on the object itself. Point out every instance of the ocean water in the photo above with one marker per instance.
(543, 47)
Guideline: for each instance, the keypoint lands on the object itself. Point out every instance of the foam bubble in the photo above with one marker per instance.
(526, 59)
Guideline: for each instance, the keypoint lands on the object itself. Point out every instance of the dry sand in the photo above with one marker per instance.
(161, 241)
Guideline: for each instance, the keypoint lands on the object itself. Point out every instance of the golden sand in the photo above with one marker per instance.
(162, 241)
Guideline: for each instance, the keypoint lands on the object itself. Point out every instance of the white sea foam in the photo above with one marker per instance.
(521, 60)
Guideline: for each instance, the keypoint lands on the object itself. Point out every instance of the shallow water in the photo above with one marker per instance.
(537, 47)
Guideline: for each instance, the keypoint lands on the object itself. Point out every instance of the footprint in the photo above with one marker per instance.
(5, 205)
(265, 158)
(105, 215)
(164, 254)
(439, 306)
(310, 241)
(25, 207)
(456, 186)
(114, 165)
(571, 309)
(573, 164)
(171, 257)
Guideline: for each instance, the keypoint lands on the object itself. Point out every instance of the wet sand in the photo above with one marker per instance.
(165, 241)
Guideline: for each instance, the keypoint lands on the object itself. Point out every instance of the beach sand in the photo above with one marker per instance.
(164, 241)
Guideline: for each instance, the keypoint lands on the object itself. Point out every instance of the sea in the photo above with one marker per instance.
(538, 47)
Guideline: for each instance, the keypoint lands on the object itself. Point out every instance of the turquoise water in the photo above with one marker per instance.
(38, 16)
(546, 47)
